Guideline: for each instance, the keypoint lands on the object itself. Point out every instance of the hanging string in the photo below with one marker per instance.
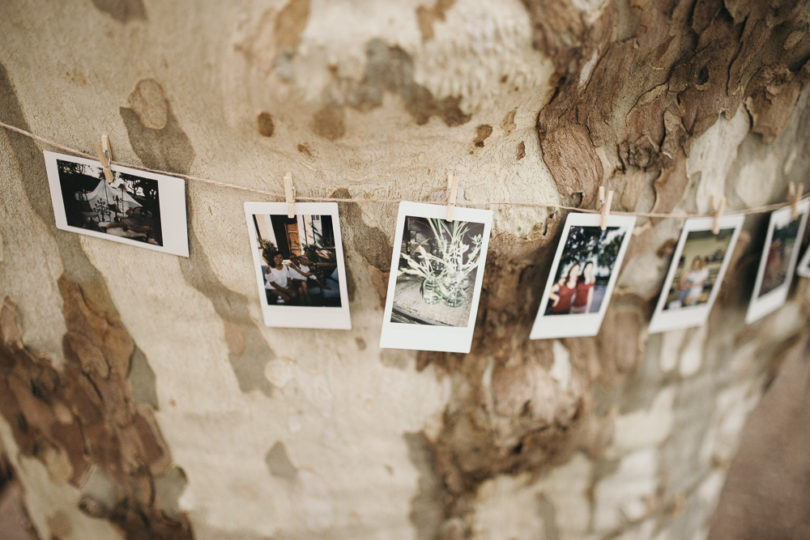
(278, 195)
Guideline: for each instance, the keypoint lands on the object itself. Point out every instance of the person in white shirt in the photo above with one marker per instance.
(698, 277)
(301, 274)
(278, 282)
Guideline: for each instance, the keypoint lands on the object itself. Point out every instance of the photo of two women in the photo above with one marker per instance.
(299, 265)
(585, 266)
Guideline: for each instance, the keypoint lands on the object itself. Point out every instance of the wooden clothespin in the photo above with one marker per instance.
(105, 157)
(794, 193)
(717, 207)
(604, 206)
(289, 193)
(452, 193)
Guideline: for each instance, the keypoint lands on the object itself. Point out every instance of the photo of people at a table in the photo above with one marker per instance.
(298, 260)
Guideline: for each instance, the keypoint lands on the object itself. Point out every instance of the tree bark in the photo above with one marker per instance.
(142, 397)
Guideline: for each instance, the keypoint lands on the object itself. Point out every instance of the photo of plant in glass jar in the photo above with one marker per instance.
(438, 263)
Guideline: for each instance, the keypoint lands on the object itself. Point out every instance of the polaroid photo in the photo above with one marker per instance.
(778, 261)
(138, 208)
(693, 280)
(583, 274)
(437, 268)
(803, 268)
(299, 265)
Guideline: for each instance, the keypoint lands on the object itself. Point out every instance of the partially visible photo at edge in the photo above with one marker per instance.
(778, 260)
(130, 209)
(696, 271)
(582, 276)
(299, 265)
(438, 264)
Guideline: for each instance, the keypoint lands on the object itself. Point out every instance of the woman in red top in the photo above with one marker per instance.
(563, 291)
(584, 296)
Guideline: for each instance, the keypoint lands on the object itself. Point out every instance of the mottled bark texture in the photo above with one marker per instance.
(635, 86)
(142, 397)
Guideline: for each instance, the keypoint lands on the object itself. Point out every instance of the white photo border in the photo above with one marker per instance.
(171, 196)
(803, 268)
(582, 324)
(688, 317)
(334, 318)
(424, 337)
(773, 300)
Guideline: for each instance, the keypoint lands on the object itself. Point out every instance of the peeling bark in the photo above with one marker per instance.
(84, 416)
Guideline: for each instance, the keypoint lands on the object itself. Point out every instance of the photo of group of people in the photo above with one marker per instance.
(299, 261)
(582, 277)
(137, 207)
(436, 275)
(299, 264)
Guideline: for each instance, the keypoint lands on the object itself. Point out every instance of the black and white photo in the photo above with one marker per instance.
(695, 273)
(582, 276)
(778, 260)
(299, 265)
(436, 274)
(138, 208)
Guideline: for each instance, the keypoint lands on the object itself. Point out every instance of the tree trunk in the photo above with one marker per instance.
(141, 396)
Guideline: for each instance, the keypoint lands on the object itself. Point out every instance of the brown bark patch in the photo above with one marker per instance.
(559, 146)
(265, 124)
(426, 17)
(84, 416)
(508, 123)
(774, 95)
(481, 133)
(645, 81)
(521, 151)
(328, 122)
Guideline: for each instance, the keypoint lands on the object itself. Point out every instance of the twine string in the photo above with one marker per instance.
(278, 195)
